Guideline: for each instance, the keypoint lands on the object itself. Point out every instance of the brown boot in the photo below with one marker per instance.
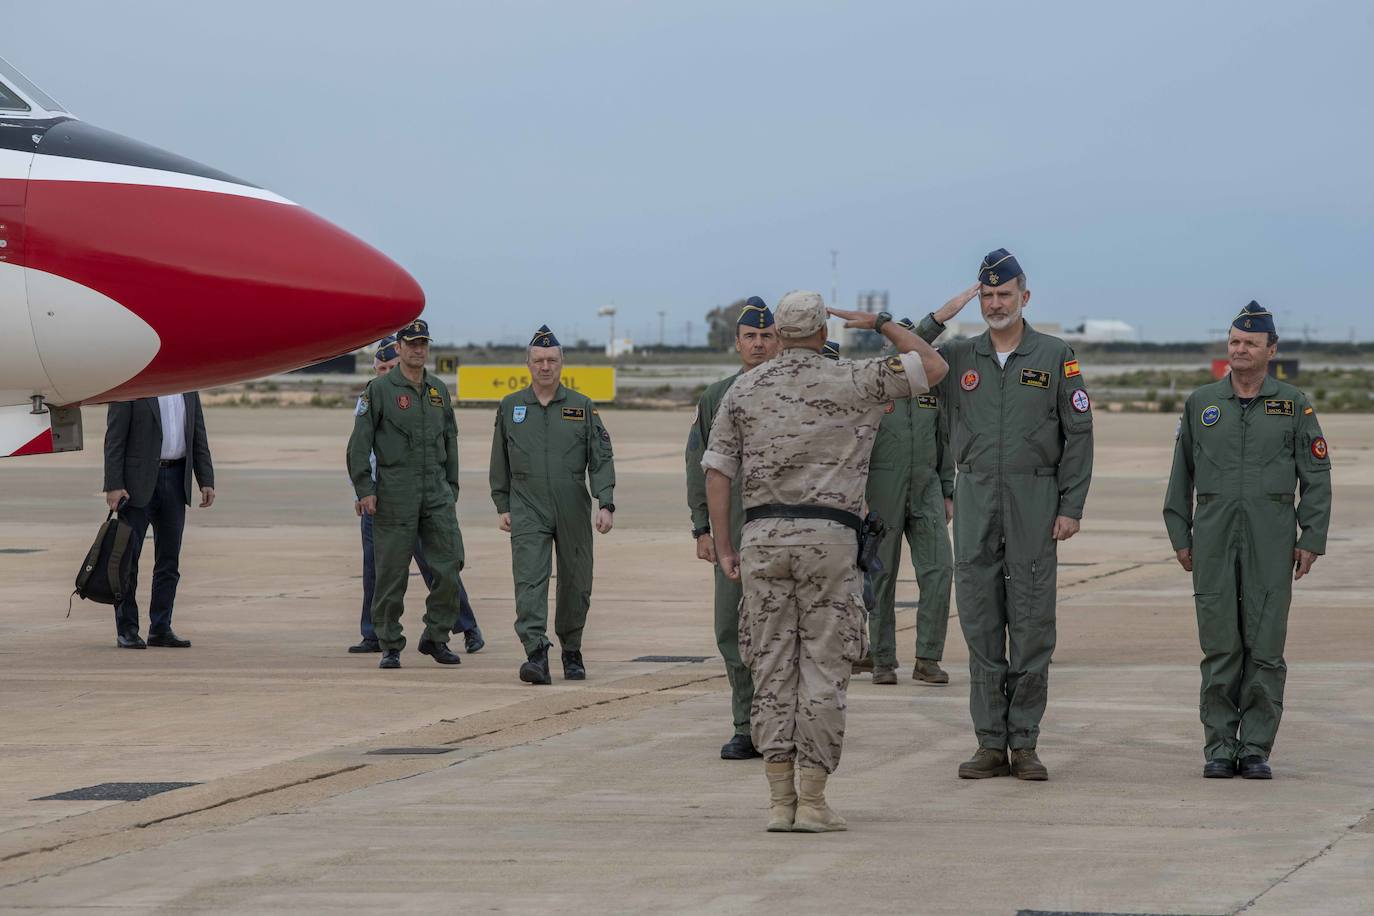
(986, 762)
(782, 796)
(928, 671)
(1025, 765)
(813, 814)
(884, 675)
(863, 664)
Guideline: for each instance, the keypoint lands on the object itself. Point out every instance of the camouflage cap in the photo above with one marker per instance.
(800, 313)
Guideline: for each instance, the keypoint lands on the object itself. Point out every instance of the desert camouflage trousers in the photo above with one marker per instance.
(802, 626)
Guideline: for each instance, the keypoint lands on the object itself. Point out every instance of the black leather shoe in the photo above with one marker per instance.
(740, 747)
(132, 641)
(535, 670)
(573, 669)
(1255, 767)
(391, 658)
(1221, 768)
(168, 640)
(367, 645)
(439, 651)
(473, 641)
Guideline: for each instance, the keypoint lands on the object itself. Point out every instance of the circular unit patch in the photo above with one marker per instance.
(1210, 415)
(1319, 448)
(1080, 401)
(969, 381)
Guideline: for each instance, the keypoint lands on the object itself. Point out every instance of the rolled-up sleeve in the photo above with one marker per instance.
(886, 378)
(725, 447)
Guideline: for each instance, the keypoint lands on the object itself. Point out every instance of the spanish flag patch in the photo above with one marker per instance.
(1071, 369)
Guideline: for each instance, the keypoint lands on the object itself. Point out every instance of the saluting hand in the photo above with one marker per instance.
(1302, 562)
(865, 320)
(956, 305)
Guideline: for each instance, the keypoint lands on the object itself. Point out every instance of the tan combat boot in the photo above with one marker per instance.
(863, 664)
(813, 814)
(882, 674)
(986, 762)
(928, 671)
(782, 796)
(1026, 765)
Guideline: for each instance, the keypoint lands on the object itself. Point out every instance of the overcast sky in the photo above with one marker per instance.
(1162, 162)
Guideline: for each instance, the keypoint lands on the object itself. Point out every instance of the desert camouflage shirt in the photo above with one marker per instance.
(799, 430)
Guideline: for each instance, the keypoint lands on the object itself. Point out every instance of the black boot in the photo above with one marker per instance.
(473, 641)
(367, 645)
(439, 651)
(740, 747)
(1255, 767)
(391, 658)
(1220, 768)
(535, 670)
(573, 669)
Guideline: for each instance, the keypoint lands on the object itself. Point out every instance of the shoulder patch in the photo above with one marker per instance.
(363, 405)
(1319, 449)
(1035, 378)
(1080, 400)
(1278, 408)
(574, 413)
(1071, 369)
(928, 401)
(1306, 411)
(894, 363)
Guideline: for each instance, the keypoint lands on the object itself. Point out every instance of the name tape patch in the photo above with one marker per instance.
(1035, 378)
(574, 413)
(1279, 408)
(928, 401)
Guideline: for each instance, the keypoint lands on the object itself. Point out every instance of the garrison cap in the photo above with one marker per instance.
(386, 349)
(416, 330)
(544, 338)
(1255, 318)
(755, 314)
(907, 323)
(999, 267)
(831, 349)
(801, 313)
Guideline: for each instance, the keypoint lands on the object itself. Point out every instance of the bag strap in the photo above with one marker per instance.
(121, 543)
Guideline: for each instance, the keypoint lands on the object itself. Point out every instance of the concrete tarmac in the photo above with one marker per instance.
(608, 795)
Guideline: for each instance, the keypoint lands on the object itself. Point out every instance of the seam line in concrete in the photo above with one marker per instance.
(1296, 868)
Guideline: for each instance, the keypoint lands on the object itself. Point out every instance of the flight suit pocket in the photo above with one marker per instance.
(392, 444)
(521, 464)
(575, 457)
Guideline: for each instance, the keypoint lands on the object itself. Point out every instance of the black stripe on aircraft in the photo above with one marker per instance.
(79, 140)
(19, 134)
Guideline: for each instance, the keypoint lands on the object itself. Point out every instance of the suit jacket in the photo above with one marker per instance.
(133, 448)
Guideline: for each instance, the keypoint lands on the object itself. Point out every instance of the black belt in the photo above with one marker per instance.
(169, 462)
(775, 510)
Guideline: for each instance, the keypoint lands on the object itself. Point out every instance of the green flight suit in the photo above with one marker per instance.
(541, 458)
(1022, 442)
(1244, 462)
(909, 476)
(412, 431)
(728, 592)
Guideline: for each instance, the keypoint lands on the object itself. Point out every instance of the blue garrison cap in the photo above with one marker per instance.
(544, 338)
(1256, 318)
(907, 323)
(755, 314)
(386, 349)
(830, 349)
(998, 267)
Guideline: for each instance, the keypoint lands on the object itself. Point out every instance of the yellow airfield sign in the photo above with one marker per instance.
(492, 383)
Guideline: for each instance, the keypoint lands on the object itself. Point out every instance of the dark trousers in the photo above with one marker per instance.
(466, 619)
(166, 512)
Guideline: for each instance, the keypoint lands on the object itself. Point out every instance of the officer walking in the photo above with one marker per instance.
(384, 359)
(1021, 433)
(910, 485)
(406, 420)
(1245, 443)
(548, 441)
(756, 342)
(797, 431)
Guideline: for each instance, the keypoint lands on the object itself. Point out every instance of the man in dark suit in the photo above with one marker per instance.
(152, 446)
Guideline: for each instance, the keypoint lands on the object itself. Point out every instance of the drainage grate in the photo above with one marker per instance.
(671, 659)
(403, 751)
(117, 791)
(14, 550)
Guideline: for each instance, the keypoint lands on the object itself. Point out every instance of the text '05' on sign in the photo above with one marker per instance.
(492, 383)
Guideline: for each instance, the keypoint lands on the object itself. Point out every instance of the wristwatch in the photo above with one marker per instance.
(883, 318)
(698, 532)
(609, 507)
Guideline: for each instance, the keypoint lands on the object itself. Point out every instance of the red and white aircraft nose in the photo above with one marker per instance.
(149, 273)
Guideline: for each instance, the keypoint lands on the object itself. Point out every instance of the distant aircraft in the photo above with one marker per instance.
(127, 271)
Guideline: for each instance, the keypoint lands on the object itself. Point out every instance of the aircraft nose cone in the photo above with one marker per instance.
(235, 281)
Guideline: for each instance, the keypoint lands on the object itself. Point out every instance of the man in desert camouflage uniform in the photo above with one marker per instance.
(798, 431)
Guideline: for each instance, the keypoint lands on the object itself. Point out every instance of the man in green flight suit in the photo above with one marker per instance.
(756, 342)
(548, 441)
(1021, 433)
(1244, 444)
(910, 485)
(406, 419)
